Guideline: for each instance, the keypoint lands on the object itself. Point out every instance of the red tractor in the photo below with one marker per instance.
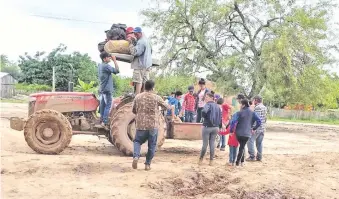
(53, 117)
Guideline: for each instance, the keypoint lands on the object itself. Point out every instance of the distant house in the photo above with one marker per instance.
(7, 85)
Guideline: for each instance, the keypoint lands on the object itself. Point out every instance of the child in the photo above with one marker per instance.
(233, 144)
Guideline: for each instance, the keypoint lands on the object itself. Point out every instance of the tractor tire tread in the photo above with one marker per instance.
(55, 115)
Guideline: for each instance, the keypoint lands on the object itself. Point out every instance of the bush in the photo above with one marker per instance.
(122, 86)
(23, 88)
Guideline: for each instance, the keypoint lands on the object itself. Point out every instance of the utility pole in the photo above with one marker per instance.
(53, 80)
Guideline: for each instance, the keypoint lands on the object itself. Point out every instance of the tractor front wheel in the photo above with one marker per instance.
(48, 132)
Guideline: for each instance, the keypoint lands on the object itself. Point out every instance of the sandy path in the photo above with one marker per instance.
(300, 160)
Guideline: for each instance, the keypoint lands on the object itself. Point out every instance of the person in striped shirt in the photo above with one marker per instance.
(258, 135)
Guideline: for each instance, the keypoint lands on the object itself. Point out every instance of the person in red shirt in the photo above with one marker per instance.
(188, 106)
(233, 145)
(226, 110)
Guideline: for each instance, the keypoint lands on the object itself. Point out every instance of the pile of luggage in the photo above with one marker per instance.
(115, 40)
(117, 45)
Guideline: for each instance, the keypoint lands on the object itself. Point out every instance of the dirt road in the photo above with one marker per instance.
(300, 161)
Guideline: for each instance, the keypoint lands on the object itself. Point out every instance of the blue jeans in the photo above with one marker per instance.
(233, 154)
(189, 116)
(141, 137)
(105, 106)
(222, 141)
(257, 138)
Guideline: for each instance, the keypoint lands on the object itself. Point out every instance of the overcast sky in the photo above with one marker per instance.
(21, 32)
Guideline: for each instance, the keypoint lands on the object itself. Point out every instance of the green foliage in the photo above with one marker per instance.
(246, 46)
(32, 88)
(38, 69)
(84, 87)
(9, 67)
(164, 85)
(122, 85)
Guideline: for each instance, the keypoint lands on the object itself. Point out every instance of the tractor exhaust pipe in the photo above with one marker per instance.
(70, 86)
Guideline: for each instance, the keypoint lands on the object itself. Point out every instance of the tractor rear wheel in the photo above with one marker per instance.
(123, 130)
(48, 132)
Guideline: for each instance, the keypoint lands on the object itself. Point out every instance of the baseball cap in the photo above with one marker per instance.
(216, 96)
(129, 30)
(190, 88)
(241, 96)
(137, 29)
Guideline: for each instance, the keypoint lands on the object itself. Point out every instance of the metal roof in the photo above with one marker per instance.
(2, 74)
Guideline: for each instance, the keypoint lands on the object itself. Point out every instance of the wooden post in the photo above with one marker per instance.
(53, 80)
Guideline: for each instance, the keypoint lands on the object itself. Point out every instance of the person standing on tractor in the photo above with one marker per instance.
(142, 60)
(200, 100)
(106, 84)
(146, 107)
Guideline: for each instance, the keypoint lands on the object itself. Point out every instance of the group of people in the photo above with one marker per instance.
(244, 127)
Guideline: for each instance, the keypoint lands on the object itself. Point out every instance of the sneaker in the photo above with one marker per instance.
(229, 164)
(211, 163)
(259, 160)
(233, 164)
(250, 159)
(147, 167)
(222, 149)
(218, 146)
(200, 162)
(135, 163)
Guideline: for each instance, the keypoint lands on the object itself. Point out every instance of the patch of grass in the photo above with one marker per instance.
(333, 122)
(4, 100)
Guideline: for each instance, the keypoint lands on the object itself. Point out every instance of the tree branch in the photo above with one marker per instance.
(264, 26)
(236, 8)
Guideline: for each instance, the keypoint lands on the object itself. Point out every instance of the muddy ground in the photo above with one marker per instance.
(300, 161)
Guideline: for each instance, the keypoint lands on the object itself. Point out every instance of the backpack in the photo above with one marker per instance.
(117, 32)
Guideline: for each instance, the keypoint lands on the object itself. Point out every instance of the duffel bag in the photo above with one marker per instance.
(117, 46)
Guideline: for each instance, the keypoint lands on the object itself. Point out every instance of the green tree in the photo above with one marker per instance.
(246, 45)
(9, 67)
(165, 84)
(122, 85)
(38, 69)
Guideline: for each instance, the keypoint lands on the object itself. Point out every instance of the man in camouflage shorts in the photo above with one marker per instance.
(146, 107)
